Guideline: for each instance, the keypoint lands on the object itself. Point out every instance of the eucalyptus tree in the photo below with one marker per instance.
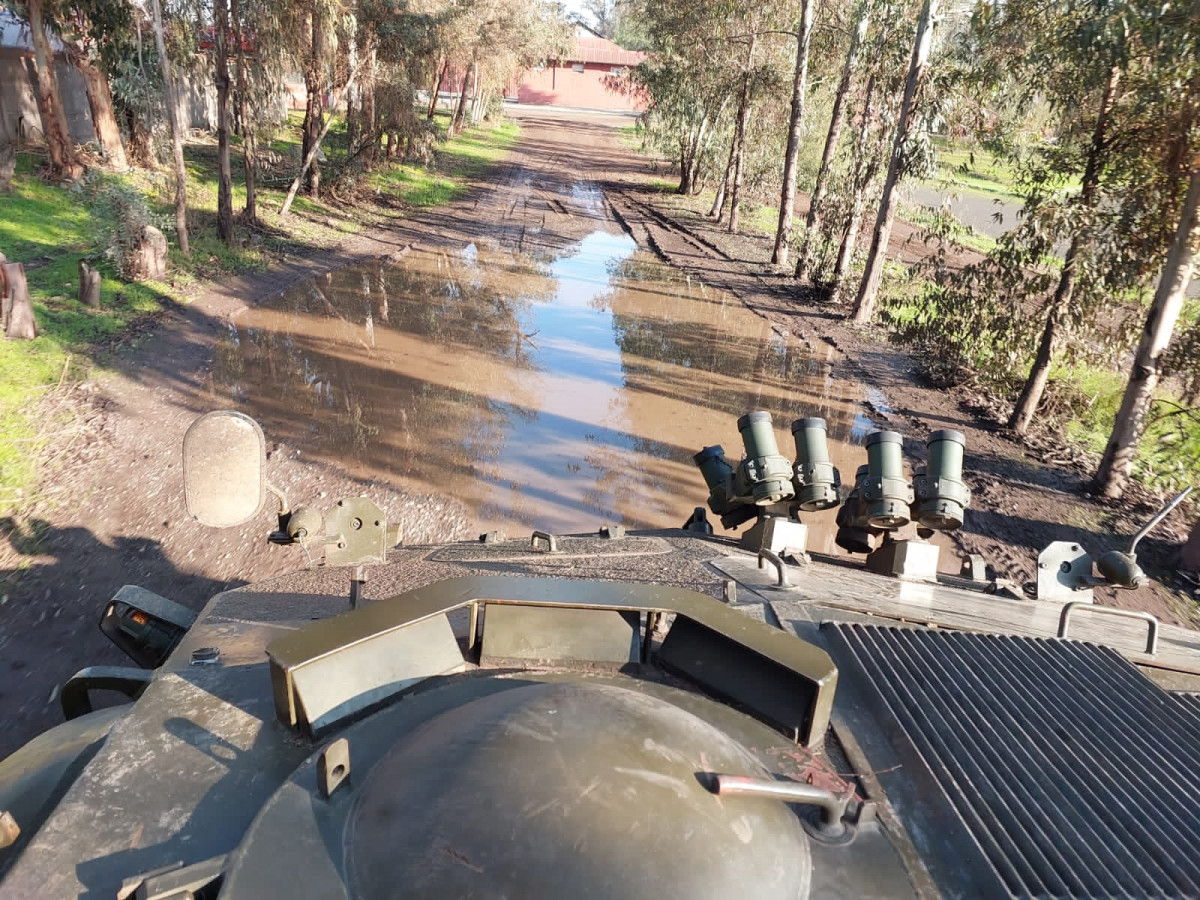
(848, 179)
(861, 21)
(180, 171)
(1119, 454)
(64, 163)
(704, 59)
(884, 218)
(787, 200)
(85, 27)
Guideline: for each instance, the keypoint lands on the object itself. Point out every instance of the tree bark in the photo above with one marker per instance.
(812, 224)
(368, 101)
(100, 102)
(224, 168)
(787, 200)
(691, 150)
(475, 97)
(437, 88)
(176, 135)
(89, 285)
(718, 208)
(1117, 463)
(456, 124)
(19, 321)
(873, 273)
(63, 163)
(739, 143)
(314, 82)
(865, 170)
(249, 127)
(1039, 375)
(312, 152)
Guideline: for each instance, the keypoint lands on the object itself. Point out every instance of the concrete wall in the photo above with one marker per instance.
(18, 103)
(19, 116)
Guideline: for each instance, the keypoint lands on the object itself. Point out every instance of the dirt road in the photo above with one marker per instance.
(112, 512)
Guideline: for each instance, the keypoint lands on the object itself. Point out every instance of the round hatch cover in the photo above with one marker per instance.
(568, 790)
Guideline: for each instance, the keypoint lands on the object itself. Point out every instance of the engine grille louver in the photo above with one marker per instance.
(1074, 774)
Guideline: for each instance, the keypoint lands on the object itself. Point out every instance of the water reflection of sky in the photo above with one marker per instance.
(574, 330)
(554, 394)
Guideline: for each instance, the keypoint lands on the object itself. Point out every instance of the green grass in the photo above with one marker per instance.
(45, 227)
(50, 230)
(924, 217)
(1169, 453)
(456, 164)
(974, 171)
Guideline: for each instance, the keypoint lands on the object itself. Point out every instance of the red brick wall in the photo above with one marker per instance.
(562, 86)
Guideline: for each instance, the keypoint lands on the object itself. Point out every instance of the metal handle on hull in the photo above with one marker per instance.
(832, 806)
(1151, 639)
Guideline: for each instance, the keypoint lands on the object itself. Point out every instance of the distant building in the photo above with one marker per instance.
(579, 79)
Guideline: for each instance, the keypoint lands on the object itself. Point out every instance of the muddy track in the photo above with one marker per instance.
(113, 511)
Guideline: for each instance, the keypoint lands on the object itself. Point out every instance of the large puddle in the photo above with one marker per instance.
(558, 395)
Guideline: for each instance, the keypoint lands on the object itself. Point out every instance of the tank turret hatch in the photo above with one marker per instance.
(568, 789)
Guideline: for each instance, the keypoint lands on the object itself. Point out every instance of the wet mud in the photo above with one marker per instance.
(556, 391)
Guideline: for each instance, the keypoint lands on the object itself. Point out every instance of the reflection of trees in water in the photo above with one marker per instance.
(484, 304)
(701, 349)
(308, 362)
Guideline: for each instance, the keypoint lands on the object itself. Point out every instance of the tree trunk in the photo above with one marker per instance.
(100, 102)
(63, 164)
(176, 135)
(19, 321)
(864, 173)
(1117, 464)
(691, 151)
(249, 127)
(812, 224)
(5, 294)
(718, 208)
(224, 168)
(873, 274)
(314, 83)
(787, 200)
(352, 123)
(309, 160)
(437, 88)
(89, 285)
(456, 124)
(368, 102)
(1039, 375)
(739, 143)
(475, 97)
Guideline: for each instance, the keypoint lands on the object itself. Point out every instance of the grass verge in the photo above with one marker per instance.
(50, 229)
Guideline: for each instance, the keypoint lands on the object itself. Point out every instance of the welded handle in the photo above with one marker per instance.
(776, 560)
(1151, 638)
(832, 806)
(75, 697)
(545, 539)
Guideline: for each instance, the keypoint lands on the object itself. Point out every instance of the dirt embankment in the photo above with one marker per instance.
(112, 513)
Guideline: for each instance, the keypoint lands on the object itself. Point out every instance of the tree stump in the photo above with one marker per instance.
(148, 259)
(5, 302)
(8, 166)
(1189, 556)
(89, 285)
(19, 322)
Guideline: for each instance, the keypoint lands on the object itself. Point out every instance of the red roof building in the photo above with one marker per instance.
(579, 80)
